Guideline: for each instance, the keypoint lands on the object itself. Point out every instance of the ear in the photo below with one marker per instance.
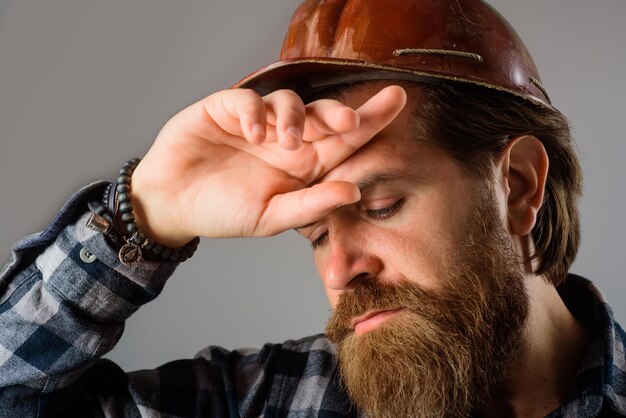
(525, 169)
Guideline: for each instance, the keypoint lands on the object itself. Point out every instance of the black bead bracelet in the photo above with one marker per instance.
(117, 200)
(136, 241)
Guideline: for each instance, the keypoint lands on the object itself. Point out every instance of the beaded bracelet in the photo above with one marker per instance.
(116, 199)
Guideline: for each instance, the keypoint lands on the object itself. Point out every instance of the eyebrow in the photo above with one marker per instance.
(376, 178)
(388, 176)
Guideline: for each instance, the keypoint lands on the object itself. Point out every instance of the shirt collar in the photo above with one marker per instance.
(601, 378)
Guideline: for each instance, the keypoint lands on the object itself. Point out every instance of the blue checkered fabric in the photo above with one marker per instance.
(60, 312)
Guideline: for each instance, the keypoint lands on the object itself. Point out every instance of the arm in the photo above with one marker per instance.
(231, 156)
(61, 310)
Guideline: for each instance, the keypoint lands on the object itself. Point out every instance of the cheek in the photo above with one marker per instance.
(333, 297)
(418, 257)
(320, 265)
(422, 248)
(417, 252)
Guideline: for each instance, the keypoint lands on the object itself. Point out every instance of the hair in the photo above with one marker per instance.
(474, 124)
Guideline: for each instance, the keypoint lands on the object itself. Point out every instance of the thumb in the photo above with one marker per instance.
(305, 206)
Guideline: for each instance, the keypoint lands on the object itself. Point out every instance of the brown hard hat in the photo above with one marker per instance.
(332, 42)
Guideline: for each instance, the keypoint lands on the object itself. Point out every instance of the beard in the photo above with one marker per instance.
(444, 353)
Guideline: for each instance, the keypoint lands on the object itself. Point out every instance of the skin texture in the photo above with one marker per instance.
(357, 244)
(377, 205)
(204, 159)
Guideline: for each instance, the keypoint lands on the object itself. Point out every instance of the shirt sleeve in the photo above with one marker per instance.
(64, 297)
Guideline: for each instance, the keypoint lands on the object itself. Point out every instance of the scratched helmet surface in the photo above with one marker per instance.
(332, 42)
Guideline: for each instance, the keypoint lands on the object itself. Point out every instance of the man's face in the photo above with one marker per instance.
(427, 293)
(415, 201)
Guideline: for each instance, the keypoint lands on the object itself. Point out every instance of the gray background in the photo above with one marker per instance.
(86, 85)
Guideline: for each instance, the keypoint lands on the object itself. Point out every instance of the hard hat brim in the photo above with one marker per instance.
(307, 76)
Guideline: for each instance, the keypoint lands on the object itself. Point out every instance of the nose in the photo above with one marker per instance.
(348, 260)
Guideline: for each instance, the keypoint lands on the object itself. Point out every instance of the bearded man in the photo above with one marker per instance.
(413, 144)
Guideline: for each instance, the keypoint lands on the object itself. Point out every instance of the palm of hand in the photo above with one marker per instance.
(210, 173)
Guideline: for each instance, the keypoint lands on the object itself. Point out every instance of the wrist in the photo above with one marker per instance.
(137, 243)
(152, 219)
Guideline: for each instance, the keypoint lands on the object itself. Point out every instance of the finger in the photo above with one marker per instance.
(325, 117)
(379, 111)
(240, 112)
(305, 206)
(288, 110)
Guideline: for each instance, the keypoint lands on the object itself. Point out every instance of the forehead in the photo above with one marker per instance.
(397, 147)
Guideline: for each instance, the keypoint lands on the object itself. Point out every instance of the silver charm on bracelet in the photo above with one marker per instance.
(130, 252)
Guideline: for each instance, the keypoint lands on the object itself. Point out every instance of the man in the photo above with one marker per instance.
(437, 185)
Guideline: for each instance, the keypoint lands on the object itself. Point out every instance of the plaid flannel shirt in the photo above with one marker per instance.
(64, 297)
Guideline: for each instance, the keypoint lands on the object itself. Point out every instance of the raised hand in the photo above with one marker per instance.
(236, 164)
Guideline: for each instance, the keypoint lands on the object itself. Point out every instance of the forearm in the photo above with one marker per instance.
(65, 297)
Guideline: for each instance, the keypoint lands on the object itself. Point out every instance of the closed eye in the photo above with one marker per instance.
(319, 241)
(375, 214)
(384, 213)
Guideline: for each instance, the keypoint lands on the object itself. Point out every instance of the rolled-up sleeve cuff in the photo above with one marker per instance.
(83, 268)
(80, 266)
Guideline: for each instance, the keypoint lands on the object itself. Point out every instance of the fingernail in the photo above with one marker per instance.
(258, 129)
(295, 132)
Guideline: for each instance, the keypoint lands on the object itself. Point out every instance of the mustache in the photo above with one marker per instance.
(372, 295)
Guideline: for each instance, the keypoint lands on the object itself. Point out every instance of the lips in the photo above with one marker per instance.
(372, 320)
